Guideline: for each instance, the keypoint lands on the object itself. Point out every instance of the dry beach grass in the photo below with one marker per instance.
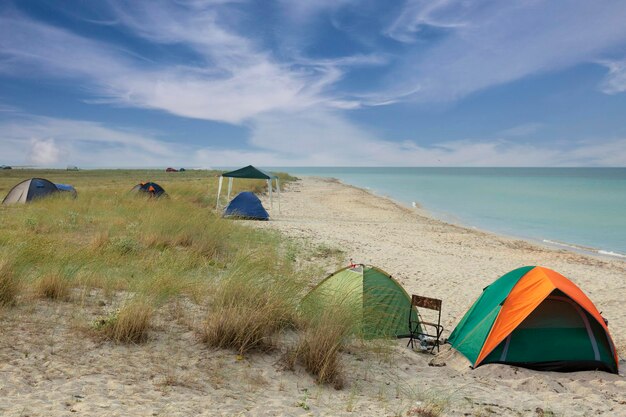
(173, 311)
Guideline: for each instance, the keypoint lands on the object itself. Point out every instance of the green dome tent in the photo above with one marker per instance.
(379, 302)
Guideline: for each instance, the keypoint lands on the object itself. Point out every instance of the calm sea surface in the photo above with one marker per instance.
(582, 207)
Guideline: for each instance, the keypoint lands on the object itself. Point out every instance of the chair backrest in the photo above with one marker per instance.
(425, 302)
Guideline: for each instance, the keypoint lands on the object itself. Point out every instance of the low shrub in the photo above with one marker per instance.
(323, 335)
(129, 324)
(53, 286)
(250, 305)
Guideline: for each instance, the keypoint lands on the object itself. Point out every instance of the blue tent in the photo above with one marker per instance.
(150, 188)
(246, 205)
(67, 188)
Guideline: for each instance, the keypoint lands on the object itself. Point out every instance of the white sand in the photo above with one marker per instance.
(49, 368)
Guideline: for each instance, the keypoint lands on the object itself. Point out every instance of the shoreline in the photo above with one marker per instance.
(414, 246)
(445, 218)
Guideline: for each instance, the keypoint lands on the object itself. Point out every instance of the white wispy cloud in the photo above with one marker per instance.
(303, 10)
(50, 141)
(304, 139)
(615, 81)
(326, 139)
(491, 43)
(233, 81)
(7, 108)
(521, 130)
(417, 14)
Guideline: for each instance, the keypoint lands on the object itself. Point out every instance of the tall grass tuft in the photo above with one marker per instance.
(53, 286)
(9, 285)
(324, 333)
(251, 304)
(130, 324)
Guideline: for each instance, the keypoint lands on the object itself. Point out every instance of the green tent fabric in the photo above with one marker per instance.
(380, 304)
(249, 172)
(470, 334)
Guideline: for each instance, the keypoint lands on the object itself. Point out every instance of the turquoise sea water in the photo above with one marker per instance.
(582, 207)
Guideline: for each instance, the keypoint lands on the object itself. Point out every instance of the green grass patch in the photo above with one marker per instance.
(160, 248)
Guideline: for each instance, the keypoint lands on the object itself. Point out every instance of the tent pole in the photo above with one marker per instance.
(269, 186)
(230, 187)
(219, 190)
(278, 191)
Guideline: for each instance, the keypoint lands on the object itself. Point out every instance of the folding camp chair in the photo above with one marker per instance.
(416, 325)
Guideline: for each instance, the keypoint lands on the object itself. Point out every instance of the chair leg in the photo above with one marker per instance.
(439, 334)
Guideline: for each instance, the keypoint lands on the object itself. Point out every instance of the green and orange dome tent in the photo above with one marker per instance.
(536, 318)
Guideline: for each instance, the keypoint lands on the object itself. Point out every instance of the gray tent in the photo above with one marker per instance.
(29, 190)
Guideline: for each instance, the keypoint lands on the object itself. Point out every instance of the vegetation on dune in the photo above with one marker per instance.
(53, 286)
(9, 286)
(152, 251)
(114, 240)
(327, 323)
(320, 342)
(129, 324)
(253, 302)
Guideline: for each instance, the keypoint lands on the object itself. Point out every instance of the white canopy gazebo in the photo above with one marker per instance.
(252, 173)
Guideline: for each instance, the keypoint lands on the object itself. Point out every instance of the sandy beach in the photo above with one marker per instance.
(453, 263)
(48, 368)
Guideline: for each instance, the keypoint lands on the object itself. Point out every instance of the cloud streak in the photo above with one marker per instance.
(329, 141)
(232, 81)
(419, 14)
(492, 43)
(615, 81)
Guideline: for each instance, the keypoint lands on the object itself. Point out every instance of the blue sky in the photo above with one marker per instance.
(208, 83)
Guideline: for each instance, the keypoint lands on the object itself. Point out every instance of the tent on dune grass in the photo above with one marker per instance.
(150, 188)
(535, 318)
(380, 304)
(246, 205)
(29, 190)
(249, 172)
